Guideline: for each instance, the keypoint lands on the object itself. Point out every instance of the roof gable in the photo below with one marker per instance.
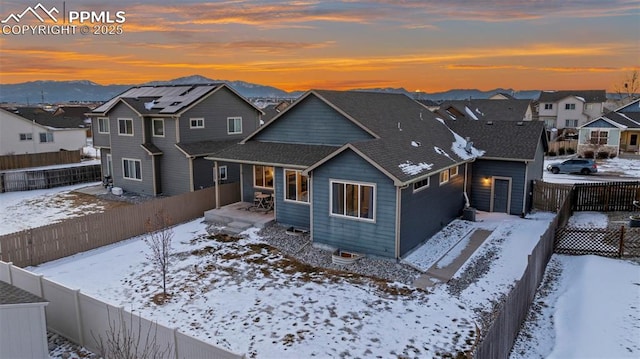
(588, 96)
(486, 109)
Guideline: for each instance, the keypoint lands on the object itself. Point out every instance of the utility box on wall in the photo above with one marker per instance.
(23, 326)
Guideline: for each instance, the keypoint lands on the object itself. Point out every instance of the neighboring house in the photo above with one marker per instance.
(501, 96)
(430, 104)
(73, 117)
(153, 139)
(486, 109)
(612, 133)
(366, 172)
(570, 109)
(502, 179)
(20, 135)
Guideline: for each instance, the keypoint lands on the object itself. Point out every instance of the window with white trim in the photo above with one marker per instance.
(599, 137)
(444, 177)
(421, 184)
(234, 125)
(296, 186)
(26, 137)
(196, 122)
(569, 106)
(263, 176)
(453, 171)
(103, 125)
(222, 173)
(571, 123)
(548, 106)
(46, 137)
(157, 127)
(132, 169)
(125, 127)
(353, 200)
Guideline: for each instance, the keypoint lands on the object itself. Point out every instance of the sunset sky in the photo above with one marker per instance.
(420, 45)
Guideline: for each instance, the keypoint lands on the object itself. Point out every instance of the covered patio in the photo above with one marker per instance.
(239, 216)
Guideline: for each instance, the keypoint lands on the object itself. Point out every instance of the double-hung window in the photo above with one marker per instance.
(263, 176)
(421, 184)
(571, 123)
(453, 171)
(599, 137)
(132, 169)
(103, 125)
(157, 125)
(26, 137)
(125, 127)
(296, 186)
(46, 137)
(353, 200)
(234, 125)
(548, 106)
(569, 106)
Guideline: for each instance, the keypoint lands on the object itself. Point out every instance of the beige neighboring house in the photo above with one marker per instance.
(19, 135)
(570, 109)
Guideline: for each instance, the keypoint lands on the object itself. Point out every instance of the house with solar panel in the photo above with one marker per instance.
(153, 139)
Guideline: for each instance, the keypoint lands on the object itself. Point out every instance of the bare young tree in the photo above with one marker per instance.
(629, 89)
(127, 341)
(158, 238)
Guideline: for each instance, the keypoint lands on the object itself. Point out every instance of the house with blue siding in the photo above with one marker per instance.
(153, 139)
(502, 179)
(365, 172)
(612, 133)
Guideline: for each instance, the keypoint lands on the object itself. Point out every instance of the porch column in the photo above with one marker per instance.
(216, 183)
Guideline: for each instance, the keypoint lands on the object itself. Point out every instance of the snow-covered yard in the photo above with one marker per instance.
(609, 170)
(245, 296)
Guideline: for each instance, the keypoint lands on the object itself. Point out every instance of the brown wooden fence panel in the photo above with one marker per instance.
(9, 162)
(606, 197)
(38, 245)
(550, 196)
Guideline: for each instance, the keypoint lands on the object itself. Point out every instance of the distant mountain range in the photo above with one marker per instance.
(86, 91)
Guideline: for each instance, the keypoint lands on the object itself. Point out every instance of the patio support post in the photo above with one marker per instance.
(216, 183)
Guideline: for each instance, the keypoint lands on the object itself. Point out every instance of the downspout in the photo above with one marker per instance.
(311, 204)
(190, 174)
(467, 204)
(216, 183)
(398, 212)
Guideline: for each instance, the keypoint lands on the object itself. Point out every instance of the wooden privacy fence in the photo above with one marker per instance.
(39, 245)
(600, 197)
(605, 197)
(48, 178)
(607, 242)
(84, 319)
(9, 162)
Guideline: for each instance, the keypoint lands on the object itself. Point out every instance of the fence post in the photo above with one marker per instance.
(175, 343)
(621, 250)
(76, 297)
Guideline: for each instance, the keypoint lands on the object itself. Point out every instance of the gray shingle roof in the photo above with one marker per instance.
(629, 119)
(10, 294)
(291, 154)
(503, 139)
(151, 149)
(48, 119)
(490, 110)
(590, 96)
(203, 148)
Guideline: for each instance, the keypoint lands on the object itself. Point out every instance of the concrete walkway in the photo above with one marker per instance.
(437, 274)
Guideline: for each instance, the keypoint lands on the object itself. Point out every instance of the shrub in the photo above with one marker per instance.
(551, 153)
(570, 151)
(588, 154)
(602, 155)
(561, 151)
(612, 155)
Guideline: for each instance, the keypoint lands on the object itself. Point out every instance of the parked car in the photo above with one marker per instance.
(575, 165)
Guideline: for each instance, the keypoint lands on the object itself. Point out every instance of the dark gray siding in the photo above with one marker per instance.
(129, 147)
(247, 184)
(288, 212)
(202, 173)
(428, 210)
(215, 109)
(534, 173)
(481, 189)
(99, 139)
(173, 164)
(377, 238)
(312, 122)
(600, 123)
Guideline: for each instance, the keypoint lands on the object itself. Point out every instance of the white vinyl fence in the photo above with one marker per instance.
(83, 319)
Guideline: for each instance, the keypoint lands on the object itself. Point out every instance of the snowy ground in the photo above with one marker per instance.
(609, 170)
(246, 297)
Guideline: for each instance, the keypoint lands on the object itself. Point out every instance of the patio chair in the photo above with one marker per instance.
(256, 198)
